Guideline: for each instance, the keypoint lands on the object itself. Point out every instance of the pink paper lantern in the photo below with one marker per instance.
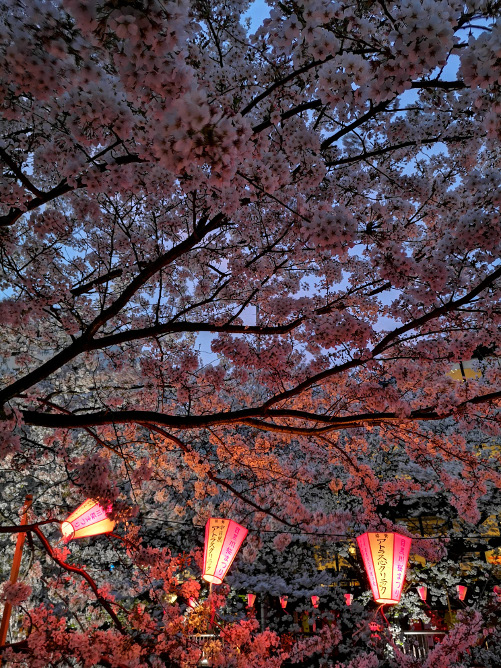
(348, 598)
(423, 592)
(250, 600)
(223, 539)
(385, 558)
(192, 602)
(89, 519)
(283, 601)
(314, 601)
(462, 592)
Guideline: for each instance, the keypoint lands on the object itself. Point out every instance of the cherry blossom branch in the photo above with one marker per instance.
(244, 416)
(214, 478)
(80, 571)
(22, 528)
(16, 170)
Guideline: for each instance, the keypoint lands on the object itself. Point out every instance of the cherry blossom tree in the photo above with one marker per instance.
(237, 268)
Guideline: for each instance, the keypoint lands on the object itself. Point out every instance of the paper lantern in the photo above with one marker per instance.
(250, 600)
(422, 591)
(89, 519)
(385, 558)
(462, 592)
(192, 602)
(283, 601)
(314, 601)
(348, 598)
(222, 542)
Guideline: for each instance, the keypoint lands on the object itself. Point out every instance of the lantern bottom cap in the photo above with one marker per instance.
(387, 601)
(212, 579)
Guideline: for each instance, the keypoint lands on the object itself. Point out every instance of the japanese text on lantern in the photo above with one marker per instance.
(363, 544)
(217, 529)
(228, 551)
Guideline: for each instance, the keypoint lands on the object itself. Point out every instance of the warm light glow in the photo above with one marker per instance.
(348, 598)
(385, 558)
(192, 602)
(89, 519)
(314, 601)
(283, 601)
(422, 591)
(222, 542)
(462, 592)
(250, 600)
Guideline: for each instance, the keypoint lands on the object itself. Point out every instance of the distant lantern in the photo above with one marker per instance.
(423, 592)
(462, 592)
(250, 600)
(348, 598)
(222, 542)
(89, 519)
(283, 601)
(314, 601)
(385, 558)
(192, 602)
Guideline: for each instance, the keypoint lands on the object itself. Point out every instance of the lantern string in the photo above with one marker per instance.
(342, 536)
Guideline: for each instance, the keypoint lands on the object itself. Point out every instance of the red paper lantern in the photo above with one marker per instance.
(348, 598)
(283, 601)
(250, 600)
(314, 601)
(222, 542)
(385, 558)
(89, 519)
(462, 592)
(423, 592)
(192, 602)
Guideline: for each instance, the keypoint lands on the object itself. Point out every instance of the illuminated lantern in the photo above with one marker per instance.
(314, 601)
(348, 598)
(462, 592)
(89, 519)
(422, 591)
(192, 602)
(222, 542)
(250, 600)
(385, 558)
(283, 601)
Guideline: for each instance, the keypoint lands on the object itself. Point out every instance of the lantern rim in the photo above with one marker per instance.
(68, 531)
(212, 579)
(386, 601)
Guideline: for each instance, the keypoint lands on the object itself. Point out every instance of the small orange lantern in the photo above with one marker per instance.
(423, 592)
(385, 558)
(314, 601)
(250, 600)
(283, 601)
(222, 542)
(348, 598)
(89, 519)
(462, 592)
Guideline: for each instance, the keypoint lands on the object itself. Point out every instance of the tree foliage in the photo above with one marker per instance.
(237, 267)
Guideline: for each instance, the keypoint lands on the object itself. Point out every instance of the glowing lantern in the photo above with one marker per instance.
(222, 542)
(89, 519)
(348, 598)
(192, 602)
(385, 558)
(283, 601)
(462, 592)
(314, 601)
(422, 591)
(250, 600)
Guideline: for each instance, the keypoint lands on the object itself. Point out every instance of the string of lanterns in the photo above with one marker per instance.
(384, 554)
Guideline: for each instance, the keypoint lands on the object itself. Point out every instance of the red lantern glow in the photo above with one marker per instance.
(422, 591)
(385, 558)
(89, 519)
(192, 602)
(250, 600)
(348, 598)
(462, 592)
(314, 601)
(222, 542)
(283, 601)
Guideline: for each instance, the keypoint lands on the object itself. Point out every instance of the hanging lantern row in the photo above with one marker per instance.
(89, 519)
(385, 557)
